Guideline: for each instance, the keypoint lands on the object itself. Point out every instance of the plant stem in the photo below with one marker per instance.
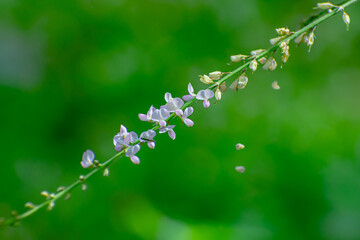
(320, 18)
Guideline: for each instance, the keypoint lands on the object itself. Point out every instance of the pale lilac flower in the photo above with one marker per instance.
(188, 111)
(205, 95)
(130, 153)
(173, 104)
(191, 93)
(147, 117)
(148, 137)
(124, 138)
(160, 116)
(87, 159)
(169, 130)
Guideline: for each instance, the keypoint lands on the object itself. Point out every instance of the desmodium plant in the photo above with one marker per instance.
(128, 144)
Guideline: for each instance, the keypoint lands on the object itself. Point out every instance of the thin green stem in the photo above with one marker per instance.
(318, 19)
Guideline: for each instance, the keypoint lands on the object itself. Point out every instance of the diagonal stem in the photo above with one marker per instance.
(318, 19)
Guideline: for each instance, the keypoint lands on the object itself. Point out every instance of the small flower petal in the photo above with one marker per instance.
(209, 94)
(162, 123)
(168, 97)
(188, 111)
(132, 150)
(135, 160)
(206, 103)
(172, 134)
(188, 97)
(191, 89)
(179, 112)
(188, 122)
(151, 144)
(143, 117)
(123, 129)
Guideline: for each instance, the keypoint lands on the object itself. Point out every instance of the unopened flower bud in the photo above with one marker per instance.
(29, 205)
(242, 81)
(82, 178)
(257, 52)
(45, 194)
(240, 169)
(206, 79)
(52, 195)
(218, 94)
(215, 75)
(239, 83)
(106, 172)
(270, 64)
(324, 6)
(51, 205)
(60, 189)
(283, 31)
(238, 58)
(346, 19)
(83, 187)
(239, 146)
(96, 163)
(253, 65)
(262, 60)
(275, 85)
(274, 41)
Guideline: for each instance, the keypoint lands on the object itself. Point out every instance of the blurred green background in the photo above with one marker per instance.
(72, 71)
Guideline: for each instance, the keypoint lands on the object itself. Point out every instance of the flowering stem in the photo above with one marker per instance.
(54, 197)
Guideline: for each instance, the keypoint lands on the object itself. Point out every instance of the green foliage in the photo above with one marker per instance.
(72, 71)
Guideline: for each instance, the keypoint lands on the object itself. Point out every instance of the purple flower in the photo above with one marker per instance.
(191, 93)
(124, 138)
(173, 104)
(188, 111)
(205, 95)
(147, 117)
(130, 153)
(169, 130)
(148, 137)
(87, 159)
(160, 116)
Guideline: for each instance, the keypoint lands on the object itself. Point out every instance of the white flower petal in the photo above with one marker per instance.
(164, 114)
(132, 150)
(123, 129)
(168, 97)
(188, 111)
(209, 94)
(200, 95)
(191, 89)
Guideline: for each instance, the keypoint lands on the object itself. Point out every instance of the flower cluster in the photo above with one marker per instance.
(130, 143)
